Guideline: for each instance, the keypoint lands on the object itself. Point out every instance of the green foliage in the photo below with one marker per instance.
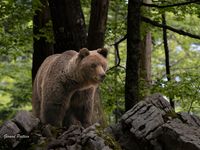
(15, 55)
(116, 24)
(183, 87)
(15, 90)
(15, 28)
(46, 32)
(21, 89)
(86, 10)
(112, 92)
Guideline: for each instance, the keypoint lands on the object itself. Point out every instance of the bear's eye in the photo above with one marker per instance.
(93, 65)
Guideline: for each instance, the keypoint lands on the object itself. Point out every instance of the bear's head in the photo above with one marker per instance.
(93, 64)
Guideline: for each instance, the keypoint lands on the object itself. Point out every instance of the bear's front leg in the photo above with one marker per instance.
(70, 118)
(54, 105)
(53, 113)
(82, 104)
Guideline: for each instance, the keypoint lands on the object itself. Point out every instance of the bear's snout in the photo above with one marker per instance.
(99, 78)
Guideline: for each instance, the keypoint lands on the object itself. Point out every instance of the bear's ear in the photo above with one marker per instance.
(83, 53)
(103, 52)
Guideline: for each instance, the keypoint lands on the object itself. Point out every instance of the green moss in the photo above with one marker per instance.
(170, 115)
(109, 140)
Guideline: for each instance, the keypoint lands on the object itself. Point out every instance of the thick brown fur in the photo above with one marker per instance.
(64, 87)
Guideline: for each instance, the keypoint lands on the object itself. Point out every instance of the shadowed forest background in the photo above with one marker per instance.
(154, 46)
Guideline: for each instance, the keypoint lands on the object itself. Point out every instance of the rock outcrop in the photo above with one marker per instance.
(152, 124)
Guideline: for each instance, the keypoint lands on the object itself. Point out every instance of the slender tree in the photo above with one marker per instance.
(133, 54)
(145, 61)
(166, 48)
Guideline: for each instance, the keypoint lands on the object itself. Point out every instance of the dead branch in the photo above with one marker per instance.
(179, 31)
(116, 45)
(171, 5)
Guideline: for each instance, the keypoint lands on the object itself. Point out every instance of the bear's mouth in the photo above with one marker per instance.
(96, 79)
(99, 79)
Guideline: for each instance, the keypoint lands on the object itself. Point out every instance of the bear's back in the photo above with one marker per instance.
(55, 63)
(52, 67)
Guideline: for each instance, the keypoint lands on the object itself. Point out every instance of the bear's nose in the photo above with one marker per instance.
(102, 76)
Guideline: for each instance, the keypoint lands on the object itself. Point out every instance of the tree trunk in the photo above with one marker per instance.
(145, 62)
(97, 26)
(68, 25)
(41, 47)
(133, 54)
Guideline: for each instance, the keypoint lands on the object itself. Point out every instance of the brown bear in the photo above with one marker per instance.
(64, 87)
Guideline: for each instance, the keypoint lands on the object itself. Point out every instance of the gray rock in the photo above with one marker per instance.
(180, 136)
(77, 138)
(92, 139)
(152, 124)
(190, 119)
(26, 120)
(9, 132)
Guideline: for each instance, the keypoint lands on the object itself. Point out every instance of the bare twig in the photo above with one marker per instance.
(120, 40)
(115, 66)
(116, 45)
(189, 68)
(190, 107)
